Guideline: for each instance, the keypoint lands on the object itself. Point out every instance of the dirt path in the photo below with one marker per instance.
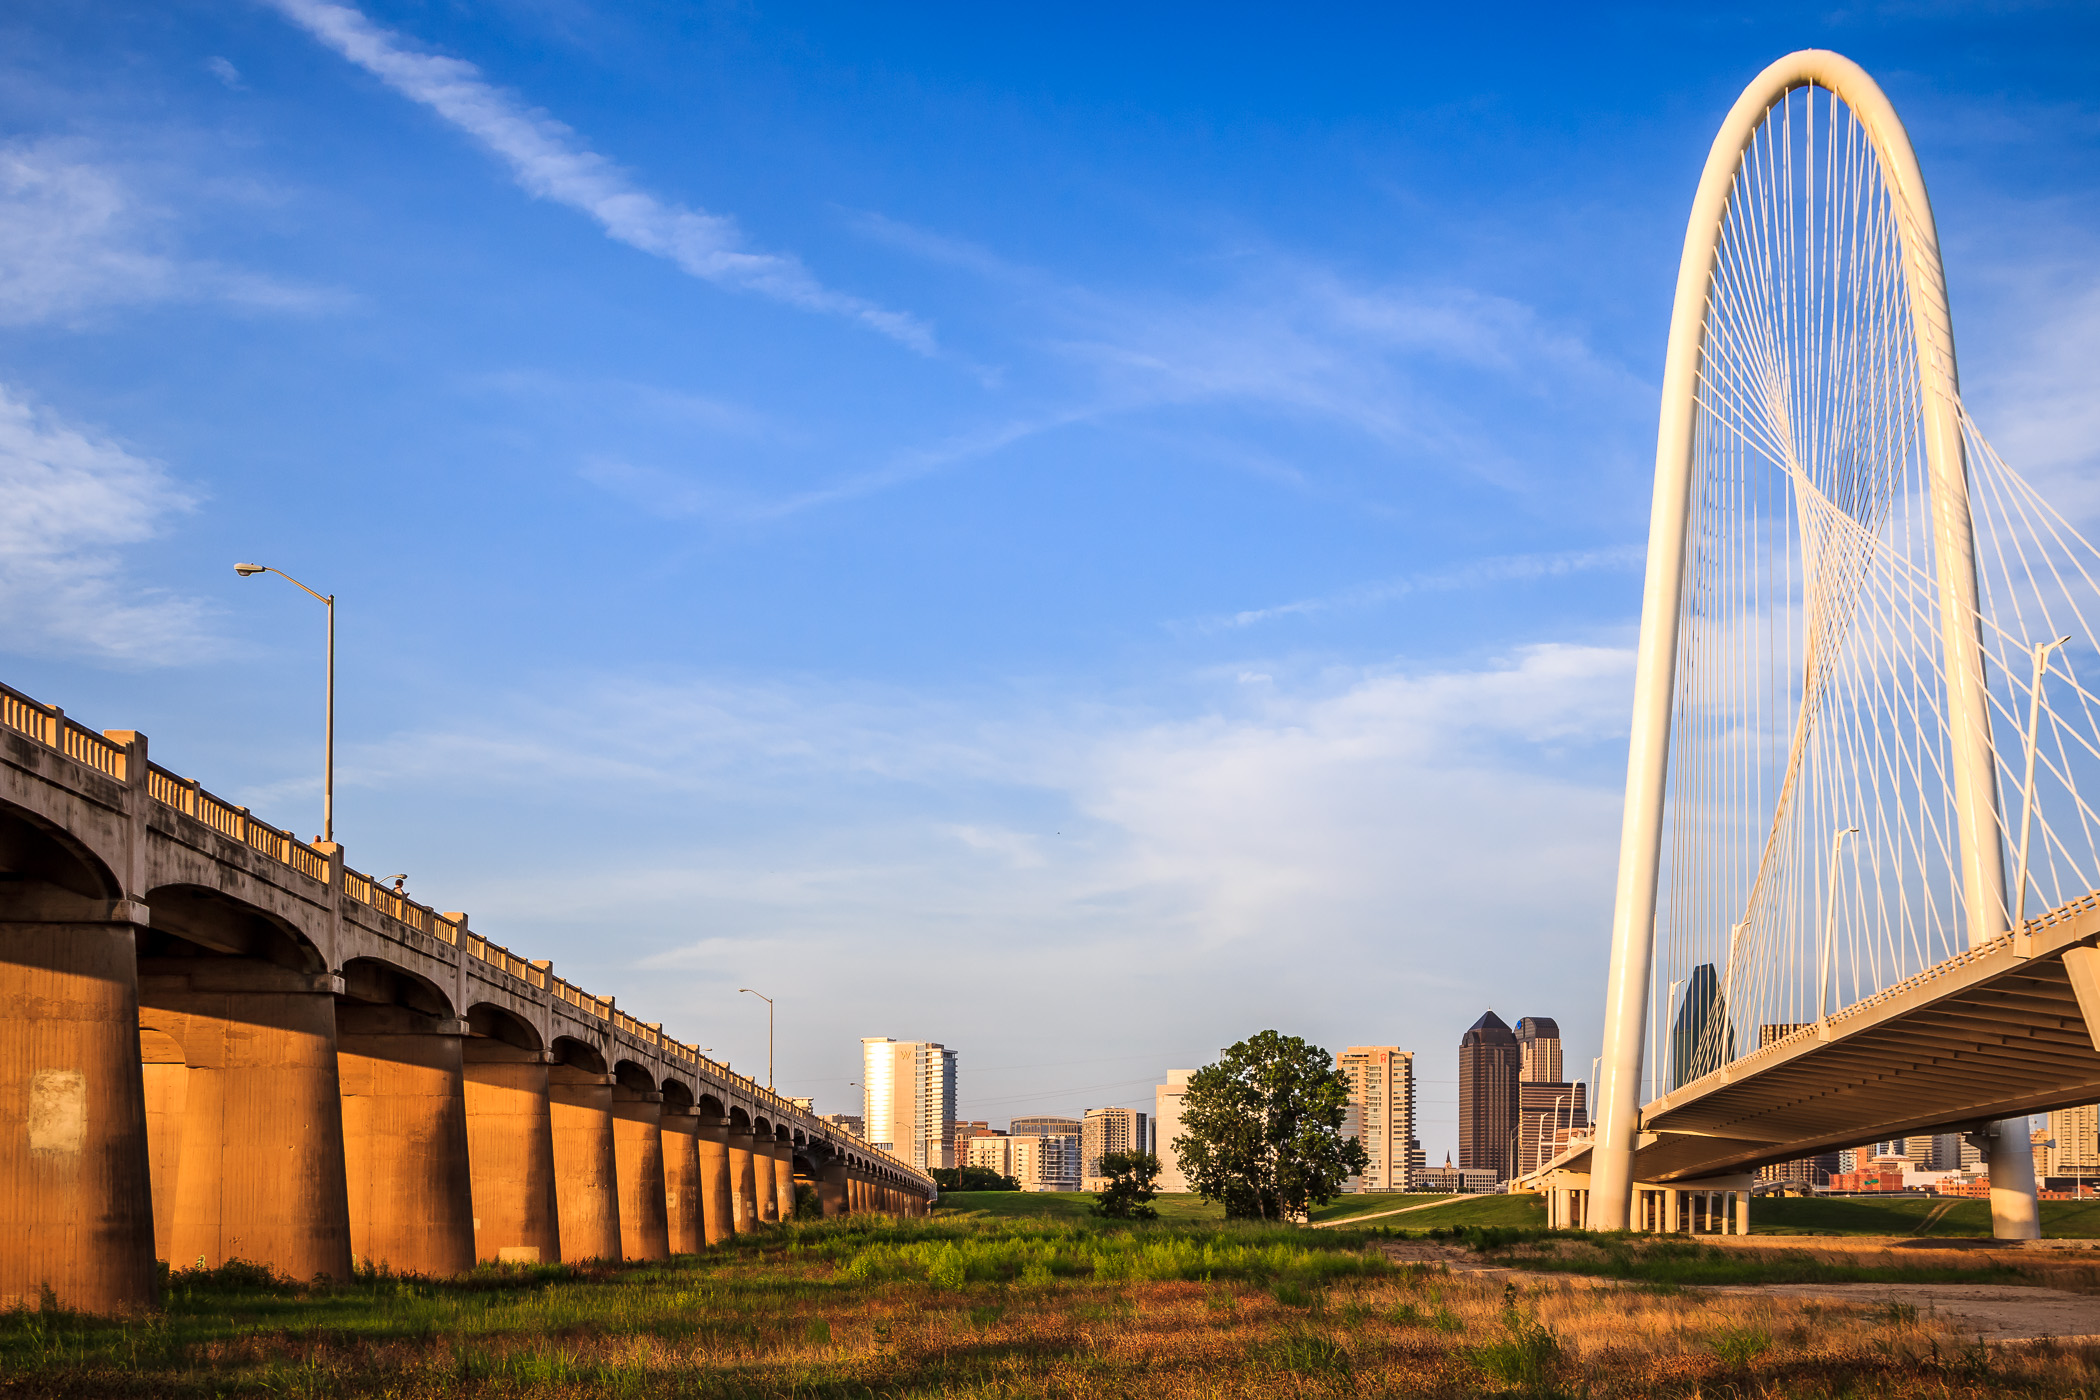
(1382, 1214)
(1991, 1312)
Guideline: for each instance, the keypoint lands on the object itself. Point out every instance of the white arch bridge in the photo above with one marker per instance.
(1856, 893)
(218, 1041)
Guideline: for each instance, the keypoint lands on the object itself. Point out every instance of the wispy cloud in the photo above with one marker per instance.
(70, 501)
(550, 161)
(1476, 574)
(76, 236)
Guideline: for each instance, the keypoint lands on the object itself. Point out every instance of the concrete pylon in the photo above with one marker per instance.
(257, 1160)
(586, 1172)
(784, 1178)
(510, 1150)
(684, 1214)
(831, 1188)
(743, 1208)
(638, 1141)
(765, 1167)
(405, 1139)
(77, 1215)
(717, 1202)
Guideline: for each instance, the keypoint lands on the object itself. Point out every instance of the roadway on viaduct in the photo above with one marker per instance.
(218, 1041)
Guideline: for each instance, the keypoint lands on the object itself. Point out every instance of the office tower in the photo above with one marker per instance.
(908, 1099)
(1538, 1050)
(1488, 1064)
(1547, 1115)
(1106, 1130)
(1166, 1126)
(1381, 1114)
(1701, 1038)
(1040, 1162)
(2074, 1142)
(1808, 1171)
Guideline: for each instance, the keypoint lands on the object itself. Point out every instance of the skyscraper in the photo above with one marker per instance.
(1381, 1115)
(1488, 1065)
(1538, 1048)
(908, 1099)
(1701, 1038)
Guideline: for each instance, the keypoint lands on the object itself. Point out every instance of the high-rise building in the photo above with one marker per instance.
(2073, 1135)
(1381, 1114)
(1702, 1039)
(1166, 1126)
(1809, 1171)
(850, 1122)
(908, 1099)
(1488, 1064)
(1548, 1114)
(1106, 1130)
(1039, 1162)
(1538, 1050)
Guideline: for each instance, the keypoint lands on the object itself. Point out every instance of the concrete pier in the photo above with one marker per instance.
(784, 1177)
(258, 1168)
(510, 1149)
(404, 1113)
(638, 1140)
(684, 1216)
(586, 1172)
(717, 1201)
(76, 1208)
(743, 1206)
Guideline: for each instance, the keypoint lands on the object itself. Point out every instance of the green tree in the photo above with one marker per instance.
(1130, 1189)
(1262, 1129)
(972, 1179)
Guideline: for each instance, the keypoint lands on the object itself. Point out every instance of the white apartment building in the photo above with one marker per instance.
(1106, 1130)
(1166, 1126)
(2074, 1142)
(1381, 1115)
(1048, 1162)
(908, 1099)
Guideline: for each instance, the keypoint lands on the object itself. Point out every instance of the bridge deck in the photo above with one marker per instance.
(1992, 1033)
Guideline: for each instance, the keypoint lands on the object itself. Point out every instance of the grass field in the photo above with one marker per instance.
(1910, 1215)
(1008, 1308)
(1178, 1209)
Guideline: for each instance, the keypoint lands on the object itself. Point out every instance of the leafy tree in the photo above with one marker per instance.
(1129, 1193)
(973, 1179)
(1262, 1129)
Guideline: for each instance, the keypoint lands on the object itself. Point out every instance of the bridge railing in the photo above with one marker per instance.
(48, 725)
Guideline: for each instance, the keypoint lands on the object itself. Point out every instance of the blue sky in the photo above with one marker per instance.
(1081, 535)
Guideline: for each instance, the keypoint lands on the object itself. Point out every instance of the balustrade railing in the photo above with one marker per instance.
(48, 725)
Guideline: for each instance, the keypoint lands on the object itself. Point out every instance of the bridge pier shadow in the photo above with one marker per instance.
(510, 1141)
(717, 1199)
(586, 1170)
(638, 1149)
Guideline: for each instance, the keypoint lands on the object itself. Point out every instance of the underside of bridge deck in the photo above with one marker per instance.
(1994, 1033)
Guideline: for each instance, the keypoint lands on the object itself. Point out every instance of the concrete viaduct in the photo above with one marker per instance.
(220, 1042)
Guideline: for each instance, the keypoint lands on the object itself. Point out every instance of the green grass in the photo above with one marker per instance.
(1677, 1263)
(1906, 1215)
(1506, 1212)
(1370, 1203)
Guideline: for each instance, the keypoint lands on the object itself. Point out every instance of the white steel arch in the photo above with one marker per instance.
(1969, 753)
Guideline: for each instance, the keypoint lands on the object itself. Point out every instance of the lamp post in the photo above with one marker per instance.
(328, 732)
(769, 1033)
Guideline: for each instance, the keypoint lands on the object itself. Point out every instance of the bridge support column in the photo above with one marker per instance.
(784, 1177)
(765, 1169)
(717, 1202)
(743, 1190)
(831, 1188)
(257, 1164)
(510, 1153)
(2016, 1212)
(405, 1139)
(586, 1174)
(76, 1205)
(638, 1140)
(685, 1217)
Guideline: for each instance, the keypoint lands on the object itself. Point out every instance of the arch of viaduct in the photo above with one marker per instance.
(218, 1041)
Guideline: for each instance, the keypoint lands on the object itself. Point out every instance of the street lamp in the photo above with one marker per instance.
(769, 1034)
(328, 739)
